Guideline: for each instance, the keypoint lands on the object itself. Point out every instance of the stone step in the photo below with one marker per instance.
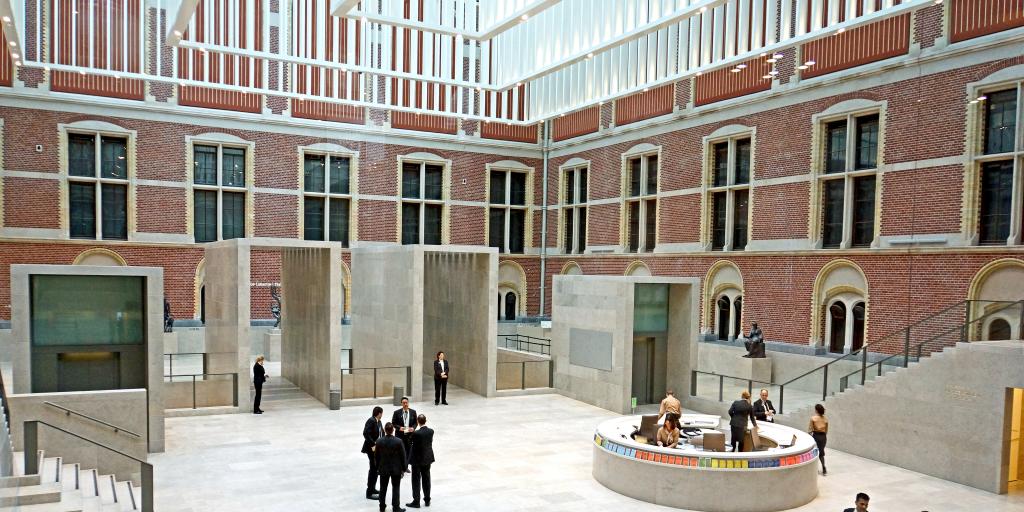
(50, 469)
(108, 489)
(89, 482)
(19, 481)
(70, 474)
(49, 507)
(32, 495)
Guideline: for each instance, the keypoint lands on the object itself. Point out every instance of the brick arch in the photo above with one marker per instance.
(99, 253)
(824, 291)
(197, 285)
(712, 289)
(636, 266)
(1006, 270)
(346, 282)
(516, 283)
(569, 266)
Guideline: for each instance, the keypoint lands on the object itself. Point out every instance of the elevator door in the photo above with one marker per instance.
(88, 371)
(643, 370)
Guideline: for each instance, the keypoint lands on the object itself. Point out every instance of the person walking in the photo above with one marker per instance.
(391, 459)
(818, 427)
(421, 458)
(372, 431)
(739, 412)
(259, 376)
(860, 504)
(441, 371)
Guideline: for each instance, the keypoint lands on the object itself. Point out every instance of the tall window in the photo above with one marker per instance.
(422, 203)
(98, 186)
(326, 197)
(848, 181)
(729, 193)
(506, 226)
(574, 210)
(1000, 164)
(218, 177)
(641, 202)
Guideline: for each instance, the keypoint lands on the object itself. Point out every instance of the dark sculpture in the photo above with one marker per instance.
(275, 308)
(755, 342)
(168, 319)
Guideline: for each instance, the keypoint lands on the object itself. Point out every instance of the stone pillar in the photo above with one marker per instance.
(227, 313)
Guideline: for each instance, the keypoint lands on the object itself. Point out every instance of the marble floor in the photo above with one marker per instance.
(528, 453)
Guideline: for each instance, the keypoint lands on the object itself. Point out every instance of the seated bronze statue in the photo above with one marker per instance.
(755, 342)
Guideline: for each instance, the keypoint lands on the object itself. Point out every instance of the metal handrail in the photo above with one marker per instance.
(542, 343)
(721, 382)
(408, 377)
(31, 444)
(170, 360)
(961, 328)
(522, 371)
(234, 384)
(69, 412)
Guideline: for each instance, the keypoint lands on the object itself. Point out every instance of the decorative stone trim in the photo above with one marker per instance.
(820, 297)
(100, 251)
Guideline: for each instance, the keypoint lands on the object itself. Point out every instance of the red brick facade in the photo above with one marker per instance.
(925, 118)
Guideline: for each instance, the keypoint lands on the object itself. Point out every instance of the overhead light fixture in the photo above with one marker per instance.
(646, 89)
(12, 43)
(524, 17)
(15, 56)
(741, 66)
(177, 33)
(810, 63)
(938, 2)
(982, 97)
(699, 73)
(972, 102)
(841, 30)
(766, 77)
(777, 55)
(773, 72)
(763, 54)
(562, 114)
(519, 84)
(590, 55)
(703, 9)
(7, 19)
(46, 68)
(802, 66)
(735, 70)
(772, 61)
(81, 73)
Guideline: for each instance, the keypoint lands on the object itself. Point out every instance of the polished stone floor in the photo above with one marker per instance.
(528, 453)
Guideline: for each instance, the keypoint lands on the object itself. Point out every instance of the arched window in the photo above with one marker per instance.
(723, 317)
(999, 330)
(510, 306)
(858, 326)
(837, 324)
(737, 313)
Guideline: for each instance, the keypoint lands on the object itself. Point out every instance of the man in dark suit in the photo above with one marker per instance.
(372, 431)
(441, 370)
(763, 408)
(391, 460)
(259, 376)
(421, 458)
(404, 420)
(862, 503)
(739, 412)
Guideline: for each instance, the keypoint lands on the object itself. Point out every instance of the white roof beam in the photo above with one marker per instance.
(12, 14)
(179, 23)
(500, 27)
(341, 8)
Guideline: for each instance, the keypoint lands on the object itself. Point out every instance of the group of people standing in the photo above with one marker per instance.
(763, 410)
(403, 445)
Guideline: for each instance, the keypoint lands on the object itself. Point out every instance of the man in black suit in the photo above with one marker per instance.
(862, 503)
(421, 458)
(404, 420)
(441, 370)
(739, 412)
(763, 408)
(391, 460)
(371, 433)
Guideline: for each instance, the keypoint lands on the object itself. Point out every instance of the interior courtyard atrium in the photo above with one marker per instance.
(565, 255)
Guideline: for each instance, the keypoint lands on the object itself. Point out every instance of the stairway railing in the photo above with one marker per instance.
(30, 431)
(116, 429)
(525, 343)
(955, 323)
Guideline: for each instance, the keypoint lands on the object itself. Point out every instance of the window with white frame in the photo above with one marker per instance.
(422, 202)
(506, 215)
(641, 202)
(97, 186)
(1000, 162)
(326, 197)
(848, 175)
(219, 192)
(574, 210)
(729, 193)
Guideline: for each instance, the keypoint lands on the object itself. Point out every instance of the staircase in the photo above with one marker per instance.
(61, 487)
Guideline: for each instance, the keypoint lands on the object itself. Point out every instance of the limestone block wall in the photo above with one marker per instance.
(387, 309)
(311, 319)
(947, 417)
(227, 313)
(126, 408)
(510, 370)
(459, 316)
(596, 304)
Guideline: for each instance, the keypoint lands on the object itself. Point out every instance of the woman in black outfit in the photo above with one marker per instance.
(739, 411)
(259, 376)
(818, 428)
